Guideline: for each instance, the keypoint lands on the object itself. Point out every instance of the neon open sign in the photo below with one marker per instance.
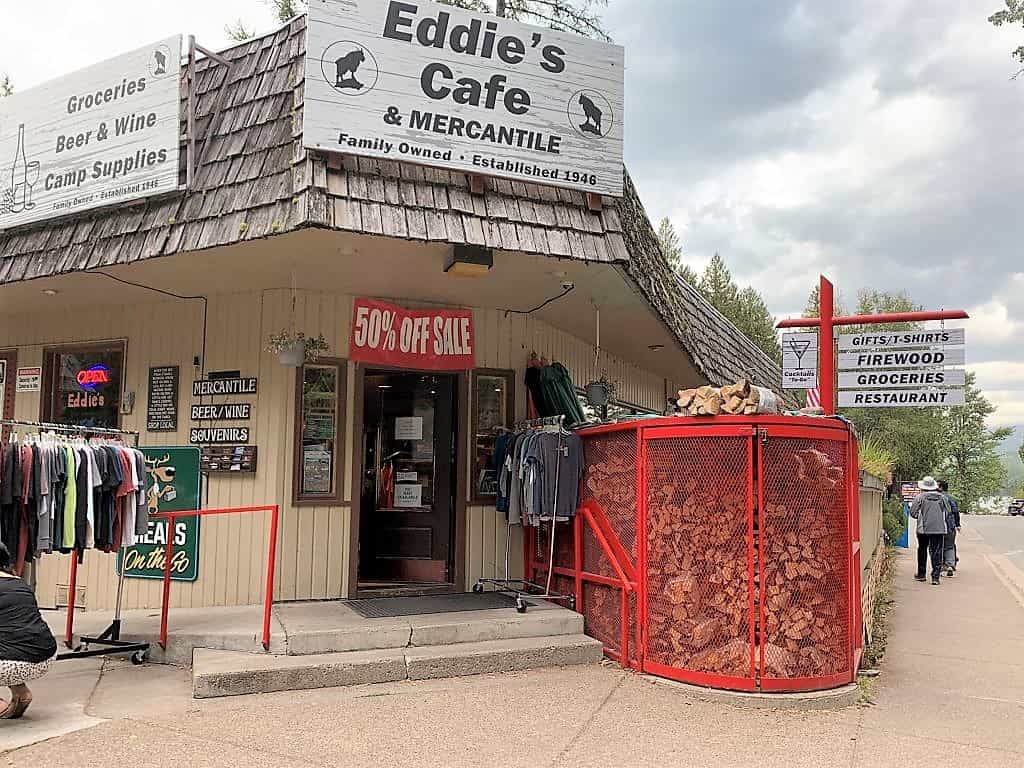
(92, 377)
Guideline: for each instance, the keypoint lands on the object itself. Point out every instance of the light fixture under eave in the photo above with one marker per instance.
(50, 291)
(469, 261)
(655, 347)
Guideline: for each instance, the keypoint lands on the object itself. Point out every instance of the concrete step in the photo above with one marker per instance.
(232, 673)
(329, 628)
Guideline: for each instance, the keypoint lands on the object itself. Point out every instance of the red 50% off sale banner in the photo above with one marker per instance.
(427, 339)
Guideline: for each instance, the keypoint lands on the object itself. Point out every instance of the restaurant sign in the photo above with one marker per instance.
(172, 485)
(103, 135)
(453, 88)
(425, 339)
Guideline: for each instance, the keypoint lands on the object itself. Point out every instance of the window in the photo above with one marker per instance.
(493, 409)
(320, 391)
(82, 384)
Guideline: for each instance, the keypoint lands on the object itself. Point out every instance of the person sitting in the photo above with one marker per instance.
(27, 647)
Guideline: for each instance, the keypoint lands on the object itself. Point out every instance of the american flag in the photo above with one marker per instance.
(813, 398)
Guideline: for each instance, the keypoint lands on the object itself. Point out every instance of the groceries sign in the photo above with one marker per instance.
(427, 339)
(465, 90)
(103, 135)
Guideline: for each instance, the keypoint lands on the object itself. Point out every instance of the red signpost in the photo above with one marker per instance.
(826, 322)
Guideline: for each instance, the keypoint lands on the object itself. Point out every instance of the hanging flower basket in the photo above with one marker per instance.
(294, 349)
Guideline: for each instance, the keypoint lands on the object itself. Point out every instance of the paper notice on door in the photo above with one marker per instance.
(407, 477)
(408, 495)
(409, 428)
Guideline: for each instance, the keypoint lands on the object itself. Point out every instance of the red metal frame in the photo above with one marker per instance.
(271, 561)
(826, 322)
(630, 578)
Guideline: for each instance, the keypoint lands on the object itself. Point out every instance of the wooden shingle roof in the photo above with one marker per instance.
(256, 180)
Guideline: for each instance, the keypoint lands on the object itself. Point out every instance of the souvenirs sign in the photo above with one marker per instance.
(442, 86)
(100, 136)
(425, 339)
(172, 485)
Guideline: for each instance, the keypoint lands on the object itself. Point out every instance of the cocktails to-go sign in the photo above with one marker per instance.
(452, 88)
(172, 485)
(100, 136)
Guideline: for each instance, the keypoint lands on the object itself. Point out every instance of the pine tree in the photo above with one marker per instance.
(580, 17)
(672, 250)
(717, 286)
(6, 89)
(1012, 15)
(972, 463)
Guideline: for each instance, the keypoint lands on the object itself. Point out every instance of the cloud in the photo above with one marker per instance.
(875, 141)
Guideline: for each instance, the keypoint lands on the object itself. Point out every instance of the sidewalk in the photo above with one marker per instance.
(951, 693)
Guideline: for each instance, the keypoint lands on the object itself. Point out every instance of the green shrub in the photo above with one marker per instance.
(893, 519)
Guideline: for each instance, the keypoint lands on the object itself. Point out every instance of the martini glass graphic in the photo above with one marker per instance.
(799, 347)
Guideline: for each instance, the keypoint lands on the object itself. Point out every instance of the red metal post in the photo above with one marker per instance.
(826, 347)
(69, 628)
(271, 568)
(577, 527)
(168, 551)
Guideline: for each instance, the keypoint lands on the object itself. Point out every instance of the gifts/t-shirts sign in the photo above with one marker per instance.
(103, 135)
(427, 339)
(442, 86)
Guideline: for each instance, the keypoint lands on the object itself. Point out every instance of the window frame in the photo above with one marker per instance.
(509, 376)
(51, 353)
(337, 497)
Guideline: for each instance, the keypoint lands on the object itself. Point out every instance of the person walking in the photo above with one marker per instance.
(949, 556)
(27, 647)
(930, 509)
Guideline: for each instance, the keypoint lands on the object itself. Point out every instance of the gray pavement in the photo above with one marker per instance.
(1003, 533)
(952, 692)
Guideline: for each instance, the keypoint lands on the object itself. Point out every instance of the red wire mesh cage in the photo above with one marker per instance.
(721, 551)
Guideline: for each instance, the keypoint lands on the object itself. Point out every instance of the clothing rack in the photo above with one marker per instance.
(520, 588)
(110, 638)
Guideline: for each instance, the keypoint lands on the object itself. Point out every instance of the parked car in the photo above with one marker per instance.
(1016, 507)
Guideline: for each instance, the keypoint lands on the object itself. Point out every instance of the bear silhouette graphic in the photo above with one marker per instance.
(346, 68)
(593, 122)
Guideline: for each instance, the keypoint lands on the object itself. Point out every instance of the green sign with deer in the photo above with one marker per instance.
(172, 485)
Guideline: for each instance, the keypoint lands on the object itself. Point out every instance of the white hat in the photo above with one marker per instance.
(928, 484)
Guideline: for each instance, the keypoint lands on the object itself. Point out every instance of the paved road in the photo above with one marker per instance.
(1003, 533)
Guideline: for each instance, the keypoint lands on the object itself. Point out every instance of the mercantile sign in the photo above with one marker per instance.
(103, 135)
(452, 88)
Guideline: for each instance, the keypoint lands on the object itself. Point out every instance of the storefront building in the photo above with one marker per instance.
(156, 317)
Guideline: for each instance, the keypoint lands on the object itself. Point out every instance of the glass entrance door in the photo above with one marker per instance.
(407, 503)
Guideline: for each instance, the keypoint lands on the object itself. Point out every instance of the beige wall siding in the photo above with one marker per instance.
(314, 542)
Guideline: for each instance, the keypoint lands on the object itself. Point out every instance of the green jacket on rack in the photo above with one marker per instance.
(559, 395)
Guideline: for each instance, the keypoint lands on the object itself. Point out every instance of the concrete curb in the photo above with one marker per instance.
(837, 698)
(1009, 574)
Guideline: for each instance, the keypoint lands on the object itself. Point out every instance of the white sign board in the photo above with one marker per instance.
(408, 495)
(441, 86)
(901, 339)
(900, 398)
(29, 379)
(100, 136)
(900, 359)
(799, 360)
(919, 377)
(409, 428)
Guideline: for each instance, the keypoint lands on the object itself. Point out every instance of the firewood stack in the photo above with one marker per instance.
(698, 589)
(804, 570)
(740, 398)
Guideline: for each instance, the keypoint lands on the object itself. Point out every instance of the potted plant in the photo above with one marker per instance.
(293, 349)
(600, 392)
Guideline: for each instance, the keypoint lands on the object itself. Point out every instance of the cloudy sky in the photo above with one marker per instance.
(878, 141)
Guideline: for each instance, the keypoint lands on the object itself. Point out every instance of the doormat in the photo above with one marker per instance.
(390, 607)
